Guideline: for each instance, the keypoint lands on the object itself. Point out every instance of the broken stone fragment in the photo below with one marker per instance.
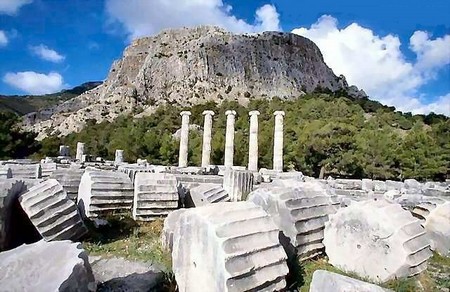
(155, 195)
(230, 246)
(53, 214)
(325, 281)
(205, 194)
(376, 239)
(437, 225)
(104, 192)
(46, 266)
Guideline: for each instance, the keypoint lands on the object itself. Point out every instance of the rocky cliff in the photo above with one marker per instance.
(190, 66)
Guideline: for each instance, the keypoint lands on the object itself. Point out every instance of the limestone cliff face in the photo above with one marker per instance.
(190, 66)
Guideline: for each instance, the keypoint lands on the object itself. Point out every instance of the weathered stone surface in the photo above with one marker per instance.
(393, 185)
(10, 189)
(155, 195)
(325, 281)
(170, 224)
(379, 186)
(205, 194)
(104, 192)
(53, 214)
(437, 225)
(70, 179)
(47, 169)
(376, 239)
(238, 184)
(193, 65)
(5, 172)
(236, 244)
(118, 274)
(367, 185)
(132, 169)
(46, 266)
(25, 170)
(192, 181)
(346, 184)
(299, 213)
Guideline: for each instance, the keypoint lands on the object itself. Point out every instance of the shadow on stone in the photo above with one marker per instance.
(143, 282)
(20, 230)
(295, 277)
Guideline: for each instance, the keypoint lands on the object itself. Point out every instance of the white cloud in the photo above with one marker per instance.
(11, 7)
(3, 39)
(35, 83)
(376, 63)
(142, 18)
(47, 54)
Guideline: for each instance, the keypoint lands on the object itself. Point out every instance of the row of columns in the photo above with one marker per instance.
(229, 140)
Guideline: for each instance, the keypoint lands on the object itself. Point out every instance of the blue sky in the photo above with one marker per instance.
(397, 51)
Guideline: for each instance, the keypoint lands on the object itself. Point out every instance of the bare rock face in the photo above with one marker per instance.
(53, 214)
(102, 192)
(46, 266)
(193, 65)
(228, 247)
(376, 239)
(323, 281)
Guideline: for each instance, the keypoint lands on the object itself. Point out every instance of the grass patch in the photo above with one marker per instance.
(123, 237)
(435, 278)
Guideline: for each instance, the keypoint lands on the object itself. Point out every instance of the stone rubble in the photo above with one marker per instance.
(325, 281)
(236, 244)
(53, 214)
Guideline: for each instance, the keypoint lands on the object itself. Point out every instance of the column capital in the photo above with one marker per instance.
(230, 112)
(278, 113)
(185, 113)
(208, 112)
(254, 113)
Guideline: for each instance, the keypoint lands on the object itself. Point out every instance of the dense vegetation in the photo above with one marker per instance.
(346, 138)
(13, 142)
(30, 103)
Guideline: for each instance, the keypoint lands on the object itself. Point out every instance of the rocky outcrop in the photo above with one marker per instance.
(193, 65)
(236, 244)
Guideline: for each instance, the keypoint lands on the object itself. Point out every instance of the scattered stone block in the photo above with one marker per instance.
(155, 195)
(205, 194)
(53, 214)
(299, 213)
(346, 184)
(118, 274)
(5, 172)
(235, 244)
(25, 170)
(437, 226)
(379, 186)
(70, 179)
(10, 189)
(192, 181)
(47, 169)
(104, 192)
(367, 185)
(170, 224)
(132, 169)
(238, 184)
(393, 185)
(46, 266)
(376, 239)
(325, 281)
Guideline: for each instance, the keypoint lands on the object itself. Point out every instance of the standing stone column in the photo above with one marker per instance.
(278, 141)
(184, 139)
(64, 150)
(253, 142)
(80, 151)
(119, 157)
(207, 129)
(229, 138)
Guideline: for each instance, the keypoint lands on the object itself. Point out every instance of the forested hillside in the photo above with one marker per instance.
(349, 138)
